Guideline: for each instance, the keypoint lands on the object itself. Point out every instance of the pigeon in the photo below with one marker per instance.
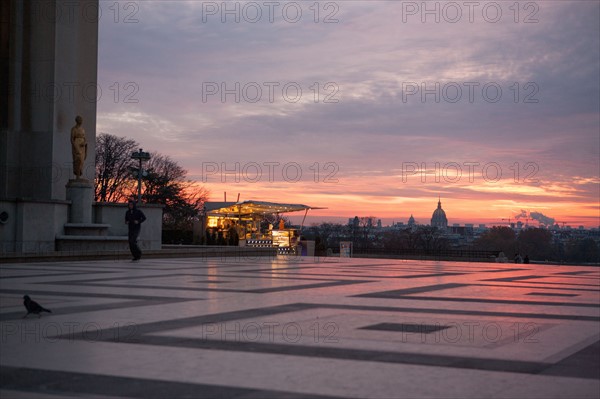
(33, 307)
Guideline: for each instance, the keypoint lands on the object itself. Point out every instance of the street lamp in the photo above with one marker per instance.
(141, 156)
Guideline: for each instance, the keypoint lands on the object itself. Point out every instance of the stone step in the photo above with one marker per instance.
(86, 229)
(92, 243)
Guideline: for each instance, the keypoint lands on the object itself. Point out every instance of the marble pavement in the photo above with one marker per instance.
(300, 328)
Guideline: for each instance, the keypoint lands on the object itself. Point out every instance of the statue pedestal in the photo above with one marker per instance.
(81, 194)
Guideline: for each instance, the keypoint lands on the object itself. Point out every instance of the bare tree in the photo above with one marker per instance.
(367, 226)
(114, 180)
(164, 181)
(430, 238)
(498, 239)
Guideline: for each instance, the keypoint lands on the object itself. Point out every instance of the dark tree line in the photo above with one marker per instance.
(367, 237)
(538, 244)
(164, 182)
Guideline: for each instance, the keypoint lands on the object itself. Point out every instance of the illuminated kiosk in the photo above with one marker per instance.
(244, 224)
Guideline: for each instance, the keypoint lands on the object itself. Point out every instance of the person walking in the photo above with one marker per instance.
(134, 219)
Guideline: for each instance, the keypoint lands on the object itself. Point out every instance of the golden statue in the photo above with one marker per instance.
(78, 146)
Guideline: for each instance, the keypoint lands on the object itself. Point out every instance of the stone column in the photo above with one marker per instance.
(81, 194)
(48, 74)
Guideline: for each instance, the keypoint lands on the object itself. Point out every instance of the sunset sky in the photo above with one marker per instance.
(392, 102)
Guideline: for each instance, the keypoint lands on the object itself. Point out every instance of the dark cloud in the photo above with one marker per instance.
(370, 56)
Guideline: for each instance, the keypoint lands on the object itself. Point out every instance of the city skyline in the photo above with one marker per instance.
(366, 108)
(516, 221)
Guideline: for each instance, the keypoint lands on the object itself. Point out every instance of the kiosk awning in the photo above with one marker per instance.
(256, 207)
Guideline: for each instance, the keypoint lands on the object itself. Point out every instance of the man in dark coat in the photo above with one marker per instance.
(134, 219)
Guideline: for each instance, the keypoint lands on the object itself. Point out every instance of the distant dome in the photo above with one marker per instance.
(438, 219)
(411, 221)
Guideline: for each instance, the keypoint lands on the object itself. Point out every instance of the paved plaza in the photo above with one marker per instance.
(300, 328)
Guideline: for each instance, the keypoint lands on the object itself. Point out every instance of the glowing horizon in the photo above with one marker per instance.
(395, 209)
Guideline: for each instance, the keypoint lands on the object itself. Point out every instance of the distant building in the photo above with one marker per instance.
(411, 221)
(438, 219)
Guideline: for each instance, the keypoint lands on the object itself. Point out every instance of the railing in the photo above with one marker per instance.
(465, 254)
